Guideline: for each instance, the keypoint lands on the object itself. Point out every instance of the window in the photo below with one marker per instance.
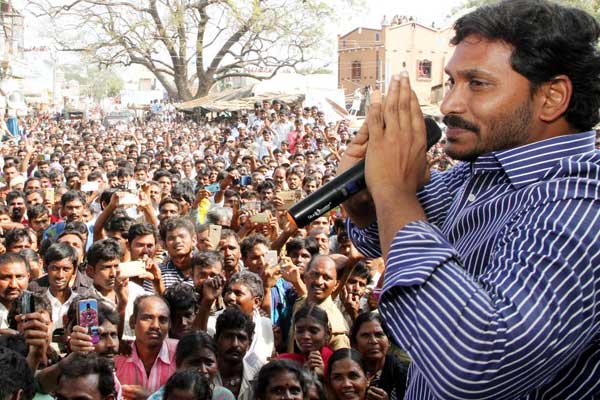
(377, 37)
(424, 69)
(356, 71)
(344, 43)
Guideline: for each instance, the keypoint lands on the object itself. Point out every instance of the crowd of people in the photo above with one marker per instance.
(174, 237)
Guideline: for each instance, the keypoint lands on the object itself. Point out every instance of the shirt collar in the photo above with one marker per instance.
(529, 163)
(163, 355)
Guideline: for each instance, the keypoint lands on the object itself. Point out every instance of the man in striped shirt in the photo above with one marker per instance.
(492, 280)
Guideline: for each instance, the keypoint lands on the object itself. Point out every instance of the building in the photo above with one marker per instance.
(369, 57)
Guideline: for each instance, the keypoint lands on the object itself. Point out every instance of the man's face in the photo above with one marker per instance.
(108, 346)
(321, 279)
(279, 177)
(34, 198)
(60, 273)
(142, 246)
(233, 345)
(182, 322)
(168, 210)
(165, 184)
(323, 241)
(85, 387)
(238, 295)
(16, 208)
(179, 242)
(155, 193)
(356, 285)
(300, 258)
(13, 280)
(104, 274)
(202, 273)
(75, 242)
(152, 323)
(230, 249)
(294, 181)
(40, 223)
(10, 173)
(73, 211)
(255, 259)
(22, 243)
(33, 184)
(489, 106)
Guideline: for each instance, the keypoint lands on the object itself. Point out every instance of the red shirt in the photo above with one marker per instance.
(326, 353)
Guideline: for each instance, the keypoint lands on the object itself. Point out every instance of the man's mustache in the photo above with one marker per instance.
(455, 121)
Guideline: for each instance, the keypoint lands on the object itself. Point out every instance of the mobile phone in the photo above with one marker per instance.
(214, 188)
(87, 317)
(289, 197)
(245, 180)
(260, 218)
(90, 186)
(132, 268)
(27, 302)
(49, 195)
(128, 199)
(214, 235)
(271, 258)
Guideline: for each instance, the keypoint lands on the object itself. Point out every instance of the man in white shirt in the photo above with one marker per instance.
(60, 260)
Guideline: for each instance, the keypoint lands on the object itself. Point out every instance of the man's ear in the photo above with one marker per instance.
(554, 98)
(257, 302)
(132, 322)
(89, 270)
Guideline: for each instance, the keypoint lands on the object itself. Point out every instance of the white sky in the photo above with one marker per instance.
(425, 11)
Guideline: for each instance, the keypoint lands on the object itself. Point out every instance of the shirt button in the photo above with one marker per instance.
(471, 198)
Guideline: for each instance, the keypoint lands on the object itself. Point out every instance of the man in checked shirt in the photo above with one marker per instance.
(492, 280)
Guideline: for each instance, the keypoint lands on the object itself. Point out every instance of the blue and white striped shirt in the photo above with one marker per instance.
(497, 295)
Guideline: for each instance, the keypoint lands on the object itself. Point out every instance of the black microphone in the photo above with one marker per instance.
(344, 186)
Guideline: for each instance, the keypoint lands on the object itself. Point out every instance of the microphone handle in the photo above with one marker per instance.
(332, 194)
(343, 186)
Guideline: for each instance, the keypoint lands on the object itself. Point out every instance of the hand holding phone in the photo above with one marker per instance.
(87, 317)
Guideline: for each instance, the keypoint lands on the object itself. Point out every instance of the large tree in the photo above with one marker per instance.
(189, 45)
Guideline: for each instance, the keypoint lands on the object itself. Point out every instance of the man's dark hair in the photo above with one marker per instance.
(184, 191)
(14, 194)
(179, 222)
(143, 229)
(232, 318)
(90, 364)
(548, 40)
(161, 173)
(124, 171)
(206, 258)
(362, 271)
(169, 200)
(70, 196)
(119, 223)
(60, 251)
(249, 242)
(16, 235)
(181, 297)
(190, 380)
(104, 250)
(16, 375)
(308, 243)
(140, 299)
(94, 176)
(267, 184)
